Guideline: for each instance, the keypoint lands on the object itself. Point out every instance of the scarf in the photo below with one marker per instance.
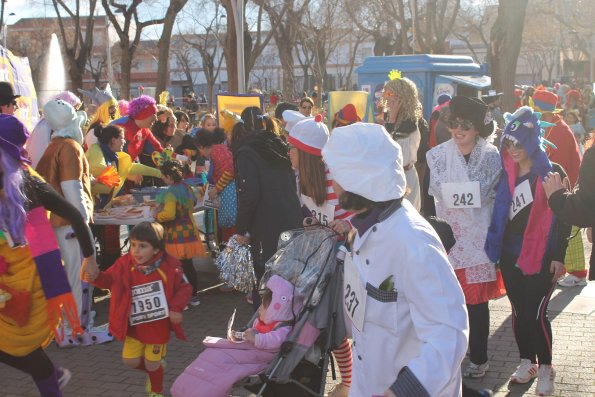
(150, 266)
(60, 303)
(109, 155)
(537, 232)
(263, 328)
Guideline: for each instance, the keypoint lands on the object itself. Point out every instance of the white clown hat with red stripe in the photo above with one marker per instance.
(292, 117)
(309, 135)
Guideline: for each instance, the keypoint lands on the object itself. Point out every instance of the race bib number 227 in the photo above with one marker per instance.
(354, 294)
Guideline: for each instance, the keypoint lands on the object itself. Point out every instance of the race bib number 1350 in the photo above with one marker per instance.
(148, 303)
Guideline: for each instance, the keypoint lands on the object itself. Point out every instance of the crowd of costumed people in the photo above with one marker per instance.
(440, 216)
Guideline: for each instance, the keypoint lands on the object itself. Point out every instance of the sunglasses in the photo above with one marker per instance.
(508, 144)
(465, 125)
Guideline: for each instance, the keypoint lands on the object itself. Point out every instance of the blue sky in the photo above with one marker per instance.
(43, 8)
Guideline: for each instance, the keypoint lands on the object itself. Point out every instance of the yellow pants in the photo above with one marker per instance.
(133, 348)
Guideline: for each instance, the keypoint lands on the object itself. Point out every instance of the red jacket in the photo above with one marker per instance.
(136, 137)
(118, 280)
(567, 153)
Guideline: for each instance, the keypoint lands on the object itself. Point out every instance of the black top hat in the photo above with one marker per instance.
(6, 93)
(491, 96)
(474, 110)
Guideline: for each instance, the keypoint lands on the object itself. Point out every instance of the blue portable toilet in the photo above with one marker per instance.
(433, 75)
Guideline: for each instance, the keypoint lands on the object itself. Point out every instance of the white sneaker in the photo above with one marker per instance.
(64, 376)
(476, 370)
(524, 372)
(194, 301)
(545, 380)
(572, 281)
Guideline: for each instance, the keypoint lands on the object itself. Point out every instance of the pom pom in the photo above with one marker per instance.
(235, 266)
(163, 98)
(109, 177)
(318, 118)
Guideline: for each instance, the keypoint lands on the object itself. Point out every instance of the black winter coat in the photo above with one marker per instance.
(578, 207)
(267, 193)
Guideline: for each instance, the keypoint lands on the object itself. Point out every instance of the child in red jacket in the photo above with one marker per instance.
(149, 293)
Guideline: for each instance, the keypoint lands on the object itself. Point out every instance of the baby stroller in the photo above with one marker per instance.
(308, 259)
(305, 264)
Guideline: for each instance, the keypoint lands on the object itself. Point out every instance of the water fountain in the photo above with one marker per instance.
(53, 74)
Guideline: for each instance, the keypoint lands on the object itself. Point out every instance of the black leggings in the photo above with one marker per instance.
(190, 273)
(479, 331)
(529, 297)
(37, 364)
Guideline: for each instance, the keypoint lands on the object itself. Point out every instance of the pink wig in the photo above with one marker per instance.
(69, 98)
(138, 104)
(123, 106)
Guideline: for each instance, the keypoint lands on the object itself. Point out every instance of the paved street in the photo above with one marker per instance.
(98, 371)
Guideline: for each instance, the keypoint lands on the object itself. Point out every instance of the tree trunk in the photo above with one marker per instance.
(505, 46)
(164, 43)
(126, 65)
(286, 58)
(76, 78)
(163, 63)
(210, 89)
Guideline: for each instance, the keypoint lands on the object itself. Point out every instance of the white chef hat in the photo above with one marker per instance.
(365, 160)
(291, 118)
(309, 135)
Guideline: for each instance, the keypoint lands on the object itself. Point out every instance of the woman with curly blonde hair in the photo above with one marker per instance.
(401, 100)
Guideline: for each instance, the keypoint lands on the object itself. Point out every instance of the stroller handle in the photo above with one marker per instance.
(341, 253)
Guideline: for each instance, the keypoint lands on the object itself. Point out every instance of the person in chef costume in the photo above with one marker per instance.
(404, 305)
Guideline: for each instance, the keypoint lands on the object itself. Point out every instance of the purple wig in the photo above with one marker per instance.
(12, 202)
(138, 104)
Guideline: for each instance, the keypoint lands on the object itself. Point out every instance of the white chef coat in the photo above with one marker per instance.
(426, 329)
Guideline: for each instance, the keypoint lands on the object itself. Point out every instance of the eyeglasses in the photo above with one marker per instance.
(465, 125)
